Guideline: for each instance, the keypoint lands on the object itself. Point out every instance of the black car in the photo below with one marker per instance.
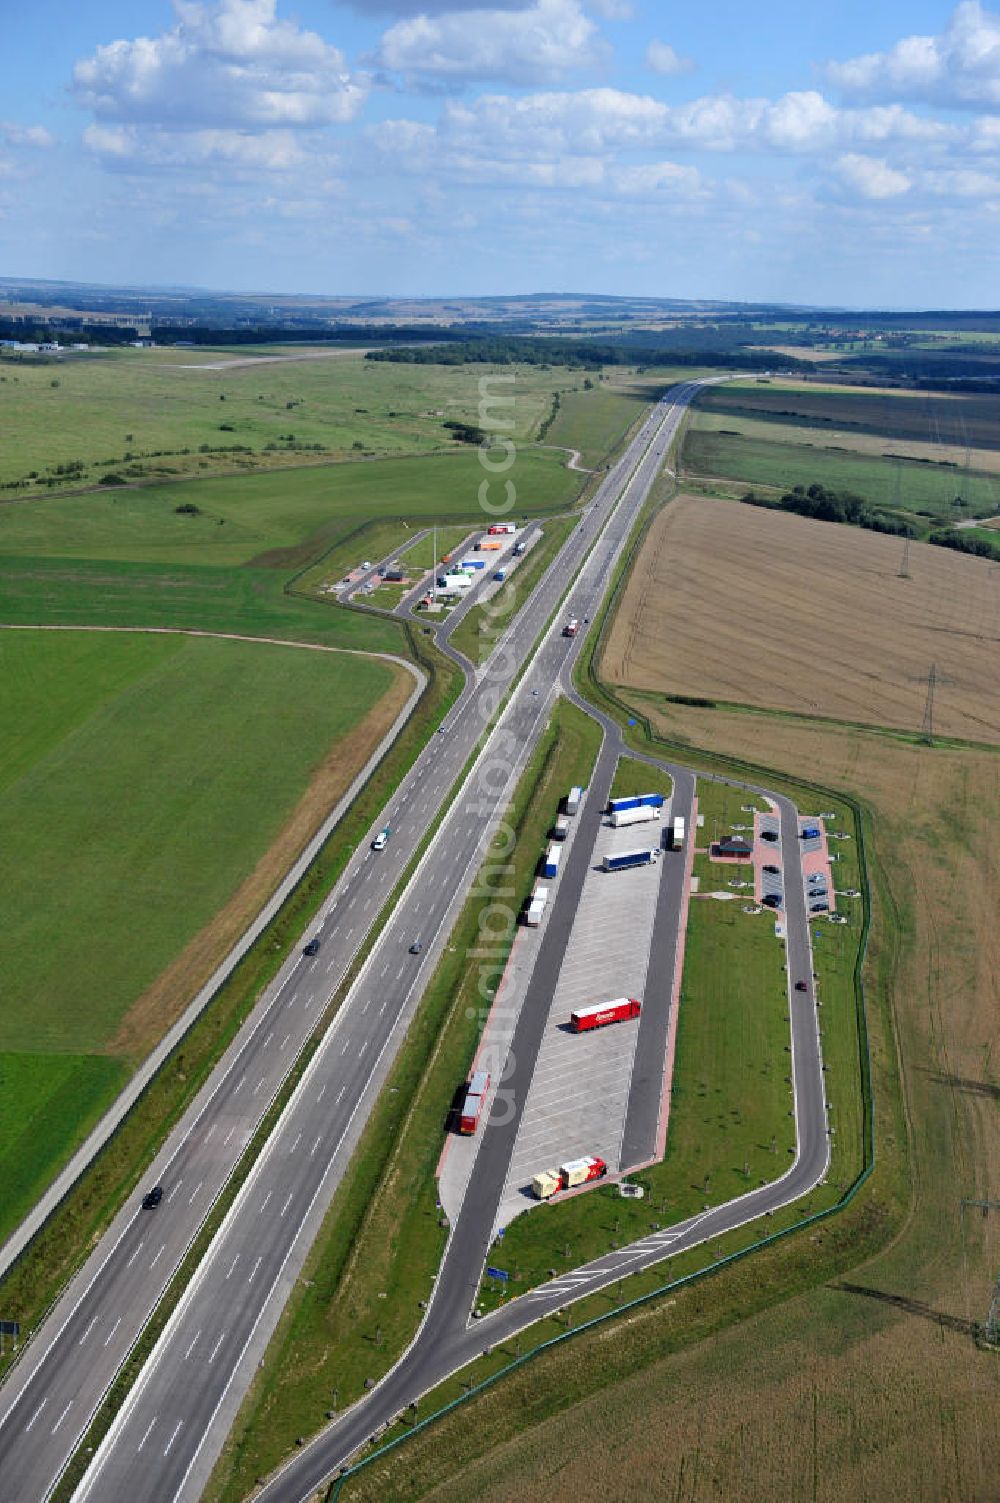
(771, 900)
(416, 947)
(768, 834)
(774, 870)
(312, 948)
(152, 1198)
(800, 986)
(820, 908)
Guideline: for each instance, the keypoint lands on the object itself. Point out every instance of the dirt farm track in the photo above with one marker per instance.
(736, 603)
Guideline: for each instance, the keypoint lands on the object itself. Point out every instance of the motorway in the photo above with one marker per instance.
(174, 1421)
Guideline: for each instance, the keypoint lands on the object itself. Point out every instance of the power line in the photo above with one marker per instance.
(927, 729)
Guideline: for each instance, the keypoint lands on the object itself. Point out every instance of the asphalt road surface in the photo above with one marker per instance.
(449, 1338)
(177, 1416)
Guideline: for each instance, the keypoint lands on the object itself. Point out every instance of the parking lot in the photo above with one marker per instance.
(579, 1092)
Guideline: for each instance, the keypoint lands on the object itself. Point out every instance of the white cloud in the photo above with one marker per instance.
(871, 177)
(260, 151)
(226, 64)
(543, 42)
(959, 66)
(663, 58)
(14, 134)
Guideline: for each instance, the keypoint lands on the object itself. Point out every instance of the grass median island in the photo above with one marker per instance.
(382, 1235)
(61, 1246)
(632, 777)
(483, 626)
(730, 1128)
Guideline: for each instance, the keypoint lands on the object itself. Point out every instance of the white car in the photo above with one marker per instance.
(381, 839)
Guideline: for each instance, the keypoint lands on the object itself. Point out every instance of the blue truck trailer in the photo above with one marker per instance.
(637, 801)
(624, 859)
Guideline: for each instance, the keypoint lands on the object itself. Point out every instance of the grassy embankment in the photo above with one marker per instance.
(357, 1303)
(62, 1245)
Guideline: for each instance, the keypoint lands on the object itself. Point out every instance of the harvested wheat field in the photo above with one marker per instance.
(736, 603)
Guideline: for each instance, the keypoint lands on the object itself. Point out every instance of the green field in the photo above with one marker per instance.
(250, 602)
(282, 518)
(143, 415)
(927, 417)
(141, 755)
(636, 777)
(905, 484)
(127, 760)
(595, 421)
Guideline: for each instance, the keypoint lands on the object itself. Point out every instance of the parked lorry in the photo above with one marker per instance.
(472, 1106)
(574, 799)
(536, 907)
(571, 628)
(490, 547)
(551, 865)
(637, 816)
(501, 529)
(625, 859)
(473, 563)
(677, 833)
(574, 1172)
(602, 1013)
(636, 801)
(560, 829)
(453, 582)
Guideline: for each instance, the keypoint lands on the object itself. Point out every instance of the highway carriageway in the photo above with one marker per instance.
(48, 1402)
(449, 1338)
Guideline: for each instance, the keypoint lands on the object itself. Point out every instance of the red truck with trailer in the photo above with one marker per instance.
(472, 1106)
(618, 1011)
(574, 1172)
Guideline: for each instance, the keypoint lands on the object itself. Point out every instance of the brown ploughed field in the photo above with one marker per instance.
(735, 603)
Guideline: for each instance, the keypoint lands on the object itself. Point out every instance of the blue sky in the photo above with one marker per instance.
(846, 152)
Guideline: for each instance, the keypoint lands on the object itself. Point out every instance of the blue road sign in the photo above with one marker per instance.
(497, 1273)
(633, 722)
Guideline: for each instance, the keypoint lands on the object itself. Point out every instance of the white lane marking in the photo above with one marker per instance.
(341, 1096)
(192, 1346)
(255, 1268)
(194, 1192)
(315, 1146)
(232, 1266)
(364, 1046)
(211, 1130)
(384, 969)
(382, 1008)
(319, 1098)
(347, 1045)
(264, 1202)
(158, 1256)
(87, 1331)
(238, 1084)
(215, 1350)
(284, 1041)
(113, 1330)
(127, 1265)
(288, 1202)
(331, 965)
(298, 1140)
(62, 1416)
(36, 1414)
(259, 1084)
(268, 1039)
(174, 1191)
(228, 1136)
(177, 1431)
(149, 1429)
